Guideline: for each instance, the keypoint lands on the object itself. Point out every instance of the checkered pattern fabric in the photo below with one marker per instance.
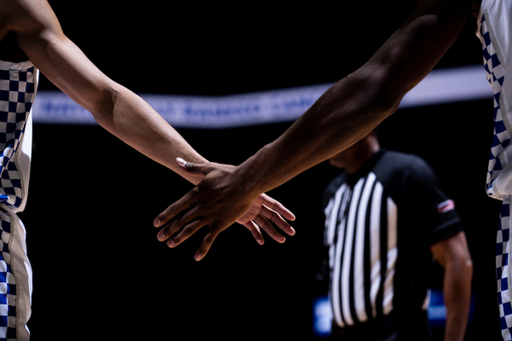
(495, 73)
(17, 92)
(7, 282)
(502, 271)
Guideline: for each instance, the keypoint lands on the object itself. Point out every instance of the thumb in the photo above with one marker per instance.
(193, 168)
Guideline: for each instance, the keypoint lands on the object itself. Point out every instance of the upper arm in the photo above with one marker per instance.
(426, 204)
(41, 38)
(416, 47)
(451, 249)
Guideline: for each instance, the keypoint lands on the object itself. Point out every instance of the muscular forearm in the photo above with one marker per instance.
(343, 115)
(114, 107)
(457, 295)
(132, 120)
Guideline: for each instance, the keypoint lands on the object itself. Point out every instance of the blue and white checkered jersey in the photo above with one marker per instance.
(494, 33)
(18, 83)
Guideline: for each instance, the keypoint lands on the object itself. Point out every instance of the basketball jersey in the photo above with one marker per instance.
(494, 33)
(18, 83)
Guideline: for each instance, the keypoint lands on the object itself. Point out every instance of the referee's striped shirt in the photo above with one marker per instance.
(379, 225)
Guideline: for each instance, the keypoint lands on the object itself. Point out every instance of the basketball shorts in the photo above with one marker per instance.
(15, 278)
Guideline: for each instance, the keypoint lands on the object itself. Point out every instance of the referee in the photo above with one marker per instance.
(386, 219)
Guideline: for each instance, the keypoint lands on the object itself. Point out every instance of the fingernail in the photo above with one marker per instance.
(197, 257)
(170, 243)
(181, 162)
(157, 222)
(161, 237)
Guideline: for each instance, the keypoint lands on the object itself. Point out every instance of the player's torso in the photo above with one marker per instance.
(494, 32)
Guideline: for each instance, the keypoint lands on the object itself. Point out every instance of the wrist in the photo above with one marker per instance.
(250, 176)
(194, 179)
(245, 180)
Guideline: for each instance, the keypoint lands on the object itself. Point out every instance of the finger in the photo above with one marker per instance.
(255, 230)
(177, 224)
(269, 229)
(207, 244)
(193, 168)
(278, 220)
(278, 207)
(186, 201)
(187, 231)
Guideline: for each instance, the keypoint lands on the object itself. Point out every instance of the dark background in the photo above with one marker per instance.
(100, 273)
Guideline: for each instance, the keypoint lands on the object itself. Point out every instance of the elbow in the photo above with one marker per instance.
(391, 91)
(467, 263)
(387, 101)
(464, 267)
(468, 266)
(380, 94)
(102, 108)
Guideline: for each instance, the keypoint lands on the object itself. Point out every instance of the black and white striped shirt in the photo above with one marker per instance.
(379, 225)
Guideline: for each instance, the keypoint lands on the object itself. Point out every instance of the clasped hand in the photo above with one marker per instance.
(217, 202)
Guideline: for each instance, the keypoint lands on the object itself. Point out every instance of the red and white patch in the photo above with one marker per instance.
(445, 206)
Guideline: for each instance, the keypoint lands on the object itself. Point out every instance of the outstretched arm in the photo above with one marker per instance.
(347, 112)
(354, 106)
(115, 108)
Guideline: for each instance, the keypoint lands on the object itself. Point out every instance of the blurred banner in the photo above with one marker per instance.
(440, 86)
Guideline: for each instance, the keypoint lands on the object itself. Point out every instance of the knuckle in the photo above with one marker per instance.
(209, 239)
(169, 212)
(175, 226)
(177, 239)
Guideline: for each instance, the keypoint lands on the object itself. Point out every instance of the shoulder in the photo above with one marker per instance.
(25, 15)
(407, 164)
(12, 12)
(403, 159)
(404, 176)
(20, 19)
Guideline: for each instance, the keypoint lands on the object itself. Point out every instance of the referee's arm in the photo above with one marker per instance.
(454, 257)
